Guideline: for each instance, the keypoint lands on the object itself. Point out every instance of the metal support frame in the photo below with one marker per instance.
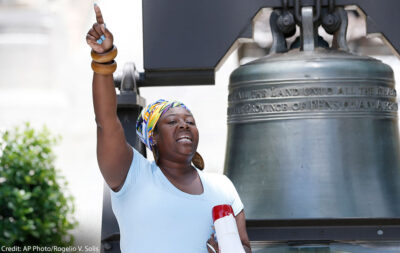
(327, 230)
(184, 41)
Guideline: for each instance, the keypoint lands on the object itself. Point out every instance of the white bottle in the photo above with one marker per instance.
(226, 229)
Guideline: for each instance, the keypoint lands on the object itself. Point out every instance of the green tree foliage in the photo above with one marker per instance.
(34, 210)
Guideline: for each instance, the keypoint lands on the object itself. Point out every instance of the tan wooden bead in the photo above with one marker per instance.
(104, 68)
(104, 57)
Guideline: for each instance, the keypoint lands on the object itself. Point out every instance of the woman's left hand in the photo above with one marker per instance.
(212, 245)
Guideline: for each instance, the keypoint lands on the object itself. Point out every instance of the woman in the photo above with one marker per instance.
(164, 206)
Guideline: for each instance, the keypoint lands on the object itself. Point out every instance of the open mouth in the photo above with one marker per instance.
(184, 138)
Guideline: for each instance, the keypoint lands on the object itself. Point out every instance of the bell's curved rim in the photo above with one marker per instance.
(322, 64)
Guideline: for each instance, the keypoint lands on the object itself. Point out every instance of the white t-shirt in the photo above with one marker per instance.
(156, 217)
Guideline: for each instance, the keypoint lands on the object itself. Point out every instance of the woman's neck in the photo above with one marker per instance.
(183, 176)
(175, 169)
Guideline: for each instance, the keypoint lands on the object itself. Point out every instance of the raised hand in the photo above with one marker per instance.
(99, 38)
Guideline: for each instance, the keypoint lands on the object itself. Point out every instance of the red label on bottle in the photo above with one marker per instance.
(221, 211)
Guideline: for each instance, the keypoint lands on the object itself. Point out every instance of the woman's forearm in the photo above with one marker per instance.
(247, 248)
(114, 154)
(104, 99)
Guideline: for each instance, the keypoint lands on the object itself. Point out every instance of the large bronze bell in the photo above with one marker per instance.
(313, 133)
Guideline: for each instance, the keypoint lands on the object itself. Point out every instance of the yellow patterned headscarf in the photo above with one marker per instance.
(149, 117)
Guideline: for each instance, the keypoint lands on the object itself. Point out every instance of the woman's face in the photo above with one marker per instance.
(177, 135)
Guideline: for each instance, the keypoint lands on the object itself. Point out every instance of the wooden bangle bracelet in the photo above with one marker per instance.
(104, 68)
(104, 57)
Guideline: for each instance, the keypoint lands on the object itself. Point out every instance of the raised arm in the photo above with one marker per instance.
(114, 154)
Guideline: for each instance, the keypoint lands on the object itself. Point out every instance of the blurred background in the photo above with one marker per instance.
(46, 80)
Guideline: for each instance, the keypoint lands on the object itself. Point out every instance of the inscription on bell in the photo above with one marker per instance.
(273, 92)
(352, 105)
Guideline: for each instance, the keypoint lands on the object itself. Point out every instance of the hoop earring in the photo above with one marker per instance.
(198, 161)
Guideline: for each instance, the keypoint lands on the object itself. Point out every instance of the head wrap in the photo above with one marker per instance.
(149, 117)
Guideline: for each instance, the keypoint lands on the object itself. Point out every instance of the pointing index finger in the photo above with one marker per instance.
(99, 16)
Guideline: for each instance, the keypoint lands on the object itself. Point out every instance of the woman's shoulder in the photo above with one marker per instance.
(212, 176)
(216, 180)
(139, 171)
